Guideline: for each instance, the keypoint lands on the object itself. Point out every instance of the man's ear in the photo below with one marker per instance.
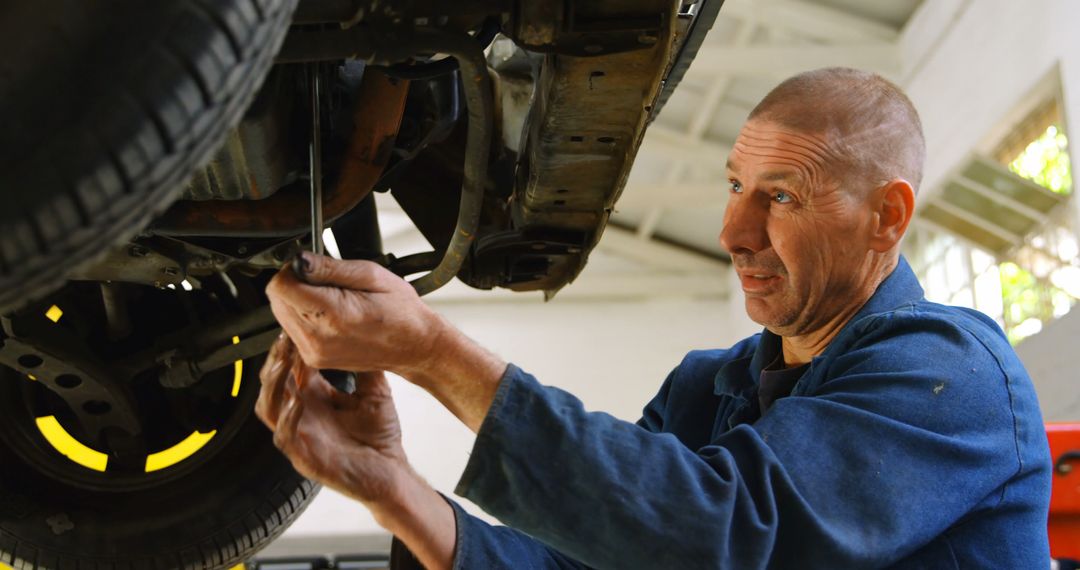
(895, 205)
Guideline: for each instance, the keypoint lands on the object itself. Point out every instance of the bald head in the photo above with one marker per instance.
(871, 127)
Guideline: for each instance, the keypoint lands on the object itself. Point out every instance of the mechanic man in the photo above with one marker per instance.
(864, 427)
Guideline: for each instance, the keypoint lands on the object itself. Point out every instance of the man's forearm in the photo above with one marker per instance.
(464, 377)
(420, 518)
(461, 374)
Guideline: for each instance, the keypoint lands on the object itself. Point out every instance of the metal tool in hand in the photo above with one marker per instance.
(340, 379)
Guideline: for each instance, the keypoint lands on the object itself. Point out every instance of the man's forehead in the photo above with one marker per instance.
(770, 173)
(769, 133)
(764, 167)
(777, 152)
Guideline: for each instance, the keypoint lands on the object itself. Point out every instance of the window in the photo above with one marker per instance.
(989, 242)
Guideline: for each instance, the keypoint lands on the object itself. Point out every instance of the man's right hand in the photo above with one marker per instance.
(348, 442)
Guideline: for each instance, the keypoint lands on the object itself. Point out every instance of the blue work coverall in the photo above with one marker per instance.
(914, 441)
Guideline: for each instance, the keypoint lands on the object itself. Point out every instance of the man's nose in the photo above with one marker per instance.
(745, 225)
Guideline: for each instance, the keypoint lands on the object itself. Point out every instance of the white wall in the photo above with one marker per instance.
(1050, 358)
(966, 81)
(972, 78)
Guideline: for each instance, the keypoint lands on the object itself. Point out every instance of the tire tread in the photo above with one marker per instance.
(142, 162)
(135, 176)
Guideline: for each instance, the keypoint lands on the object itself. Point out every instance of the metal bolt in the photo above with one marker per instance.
(241, 250)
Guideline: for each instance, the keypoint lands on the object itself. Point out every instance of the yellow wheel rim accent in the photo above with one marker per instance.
(70, 447)
(54, 313)
(178, 452)
(90, 458)
(238, 371)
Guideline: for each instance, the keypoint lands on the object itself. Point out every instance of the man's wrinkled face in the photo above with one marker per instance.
(797, 237)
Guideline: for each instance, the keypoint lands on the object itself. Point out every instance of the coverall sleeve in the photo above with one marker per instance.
(481, 545)
(848, 476)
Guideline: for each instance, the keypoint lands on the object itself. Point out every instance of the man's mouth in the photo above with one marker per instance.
(759, 283)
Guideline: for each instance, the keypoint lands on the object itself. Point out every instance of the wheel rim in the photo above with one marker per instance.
(40, 429)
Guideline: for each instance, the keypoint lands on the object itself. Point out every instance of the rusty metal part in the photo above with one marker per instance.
(586, 28)
(377, 116)
(133, 263)
(260, 156)
(347, 12)
(476, 83)
(477, 86)
(161, 261)
(586, 125)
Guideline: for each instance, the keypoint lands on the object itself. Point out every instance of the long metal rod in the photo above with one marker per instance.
(476, 84)
(315, 156)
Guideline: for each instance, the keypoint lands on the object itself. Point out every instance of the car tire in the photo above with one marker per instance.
(214, 510)
(106, 109)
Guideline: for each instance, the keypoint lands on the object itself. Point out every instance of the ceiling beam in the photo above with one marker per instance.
(935, 227)
(1002, 199)
(714, 95)
(782, 61)
(679, 195)
(676, 145)
(977, 221)
(694, 134)
(593, 286)
(812, 20)
(655, 254)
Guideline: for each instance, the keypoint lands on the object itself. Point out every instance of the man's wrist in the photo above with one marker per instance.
(461, 374)
(443, 340)
(394, 509)
(421, 518)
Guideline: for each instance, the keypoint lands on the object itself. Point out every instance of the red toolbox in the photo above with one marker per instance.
(1064, 522)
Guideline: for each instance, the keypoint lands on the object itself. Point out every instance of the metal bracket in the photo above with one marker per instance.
(74, 374)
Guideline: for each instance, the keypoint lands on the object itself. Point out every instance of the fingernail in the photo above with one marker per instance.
(301, 265)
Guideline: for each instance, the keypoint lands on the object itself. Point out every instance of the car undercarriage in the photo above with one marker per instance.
(505, 129)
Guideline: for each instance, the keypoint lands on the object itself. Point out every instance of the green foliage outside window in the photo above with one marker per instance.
(1024, 298)
(1028, 300)
(1045, 161)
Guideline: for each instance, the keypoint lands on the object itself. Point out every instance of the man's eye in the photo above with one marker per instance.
(736, 187)
(782, 197)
